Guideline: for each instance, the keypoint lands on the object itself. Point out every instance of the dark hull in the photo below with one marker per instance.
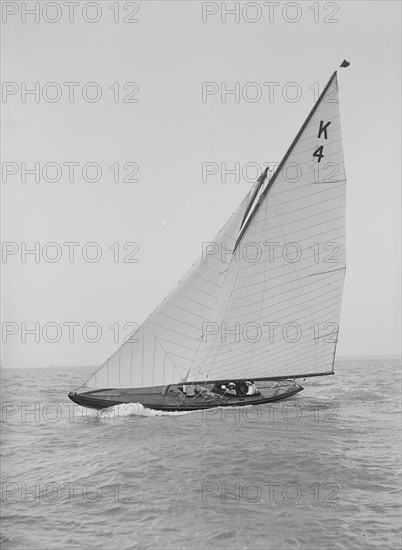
(174, 400)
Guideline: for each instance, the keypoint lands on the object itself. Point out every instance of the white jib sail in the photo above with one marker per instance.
(165, 346)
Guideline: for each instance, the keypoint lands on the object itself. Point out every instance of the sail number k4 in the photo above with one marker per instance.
(322, 130)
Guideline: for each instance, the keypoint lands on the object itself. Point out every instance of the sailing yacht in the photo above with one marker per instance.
(262, 303)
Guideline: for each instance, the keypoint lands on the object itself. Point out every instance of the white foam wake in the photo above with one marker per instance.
(127, 409)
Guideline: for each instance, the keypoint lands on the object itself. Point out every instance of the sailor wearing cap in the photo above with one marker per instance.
(252, 390)
(232, 388)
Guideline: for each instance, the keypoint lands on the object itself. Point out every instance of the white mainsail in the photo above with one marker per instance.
(270, 309)
(278, 311)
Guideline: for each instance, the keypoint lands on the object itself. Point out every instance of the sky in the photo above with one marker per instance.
(133, 131)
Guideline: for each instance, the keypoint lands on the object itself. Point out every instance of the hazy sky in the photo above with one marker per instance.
(169, 134)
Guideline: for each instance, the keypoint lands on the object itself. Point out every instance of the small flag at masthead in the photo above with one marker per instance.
(345, 63)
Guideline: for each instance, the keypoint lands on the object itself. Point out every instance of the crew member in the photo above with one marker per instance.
(252, 389)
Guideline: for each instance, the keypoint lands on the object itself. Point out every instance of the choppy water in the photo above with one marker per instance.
(320, 470)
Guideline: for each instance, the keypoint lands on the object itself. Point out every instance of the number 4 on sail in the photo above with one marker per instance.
(239, 328)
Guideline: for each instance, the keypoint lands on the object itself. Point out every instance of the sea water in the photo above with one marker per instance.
(320, 470)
